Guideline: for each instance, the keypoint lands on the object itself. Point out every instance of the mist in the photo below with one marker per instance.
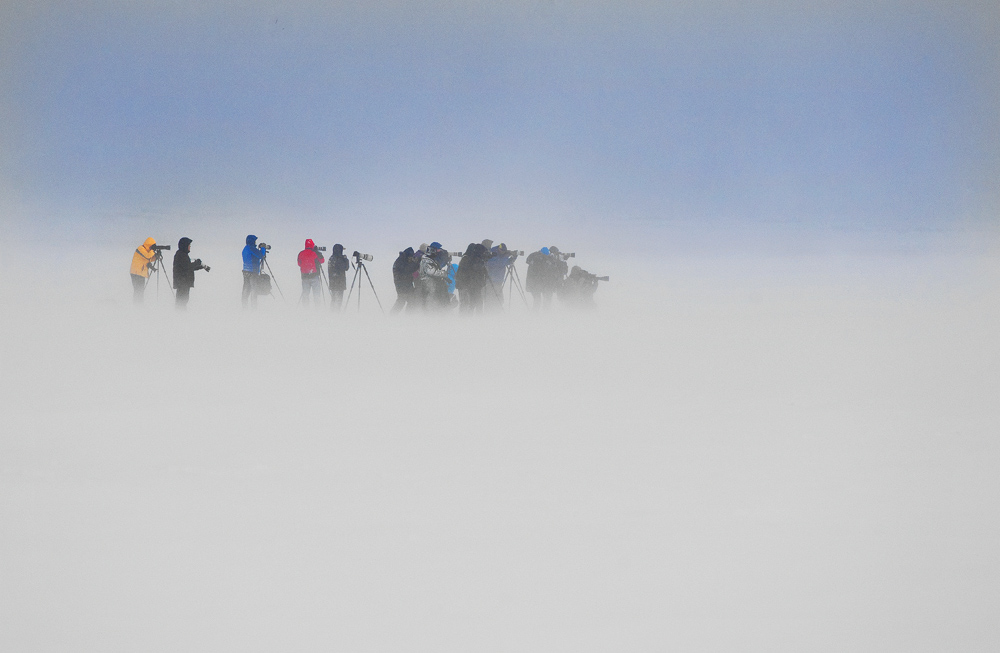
(776, 430)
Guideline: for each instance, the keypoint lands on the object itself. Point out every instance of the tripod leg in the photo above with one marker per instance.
(373, 291)
(520, 289)
(326, 284)
(274, 280)
(351, 291)
(496, 293)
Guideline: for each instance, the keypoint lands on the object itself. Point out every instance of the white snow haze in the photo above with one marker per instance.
(775, 431)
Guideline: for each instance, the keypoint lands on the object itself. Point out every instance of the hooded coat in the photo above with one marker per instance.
(253, 256)
(184, 267)
(403, 268)
(471, 274)
(541, 266)
(337, 268)
(433, 280)
(497, 264)
(309, 259)
(142, 260)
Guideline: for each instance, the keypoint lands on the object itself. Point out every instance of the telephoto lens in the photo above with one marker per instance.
(320, 249)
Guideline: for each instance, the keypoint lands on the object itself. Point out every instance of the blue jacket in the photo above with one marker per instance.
(253, 256)
(497, 267)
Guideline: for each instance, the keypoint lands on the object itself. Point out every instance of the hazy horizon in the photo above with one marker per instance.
(775, 432)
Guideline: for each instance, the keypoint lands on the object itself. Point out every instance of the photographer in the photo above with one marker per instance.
(310, 261)
(579, 288)
(560, 268)
(253, 257)
(184, 269)
(403, 269)
(337, 272)
(143, 263)
(542, 271)
(471, 278)
(433, 281)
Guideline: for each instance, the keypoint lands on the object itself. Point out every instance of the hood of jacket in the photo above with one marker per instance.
(184, 244)
(252, 240)
(149, 242)
(309, 243)
(338, 249)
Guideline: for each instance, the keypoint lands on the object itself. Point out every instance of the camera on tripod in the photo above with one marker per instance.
(319, 249)
(358, 256)
(265, 247)
(566, 255)
(160, 248)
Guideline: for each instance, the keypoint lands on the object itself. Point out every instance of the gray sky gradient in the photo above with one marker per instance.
(820, 114)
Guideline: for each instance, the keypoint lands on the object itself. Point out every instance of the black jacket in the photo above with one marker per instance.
(403, 270)
(337, 268)
(471, 273)
(184, 267)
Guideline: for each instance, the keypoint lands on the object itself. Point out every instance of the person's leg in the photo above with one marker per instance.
(317, 291)
(247, 288)
(138, 288)
(477, 300)
(182, 298)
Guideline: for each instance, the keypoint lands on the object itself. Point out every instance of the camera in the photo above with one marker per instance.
(265, 247)
(457, 254)
(362, 257)
(602, 278)
(319, 249)
(158, 248)
(567, 255)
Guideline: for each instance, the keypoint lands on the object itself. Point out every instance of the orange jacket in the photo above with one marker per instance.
(143, 258)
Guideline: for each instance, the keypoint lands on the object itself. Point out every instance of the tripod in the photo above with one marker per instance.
(511, 276)
(273, 279)
(157, 271)
(359, 265)
(326, 283)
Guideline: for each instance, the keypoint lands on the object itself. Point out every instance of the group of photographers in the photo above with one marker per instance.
(426, 279)
(148, 260)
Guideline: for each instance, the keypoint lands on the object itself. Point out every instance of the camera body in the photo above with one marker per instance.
(265, 247)
(358, 256)
(160, 248)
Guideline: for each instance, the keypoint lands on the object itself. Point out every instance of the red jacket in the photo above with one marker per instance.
(310, 259)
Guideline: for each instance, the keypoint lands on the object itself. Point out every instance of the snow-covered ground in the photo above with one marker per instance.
(783, 454)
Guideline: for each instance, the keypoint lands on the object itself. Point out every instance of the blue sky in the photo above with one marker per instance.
(823, 113)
